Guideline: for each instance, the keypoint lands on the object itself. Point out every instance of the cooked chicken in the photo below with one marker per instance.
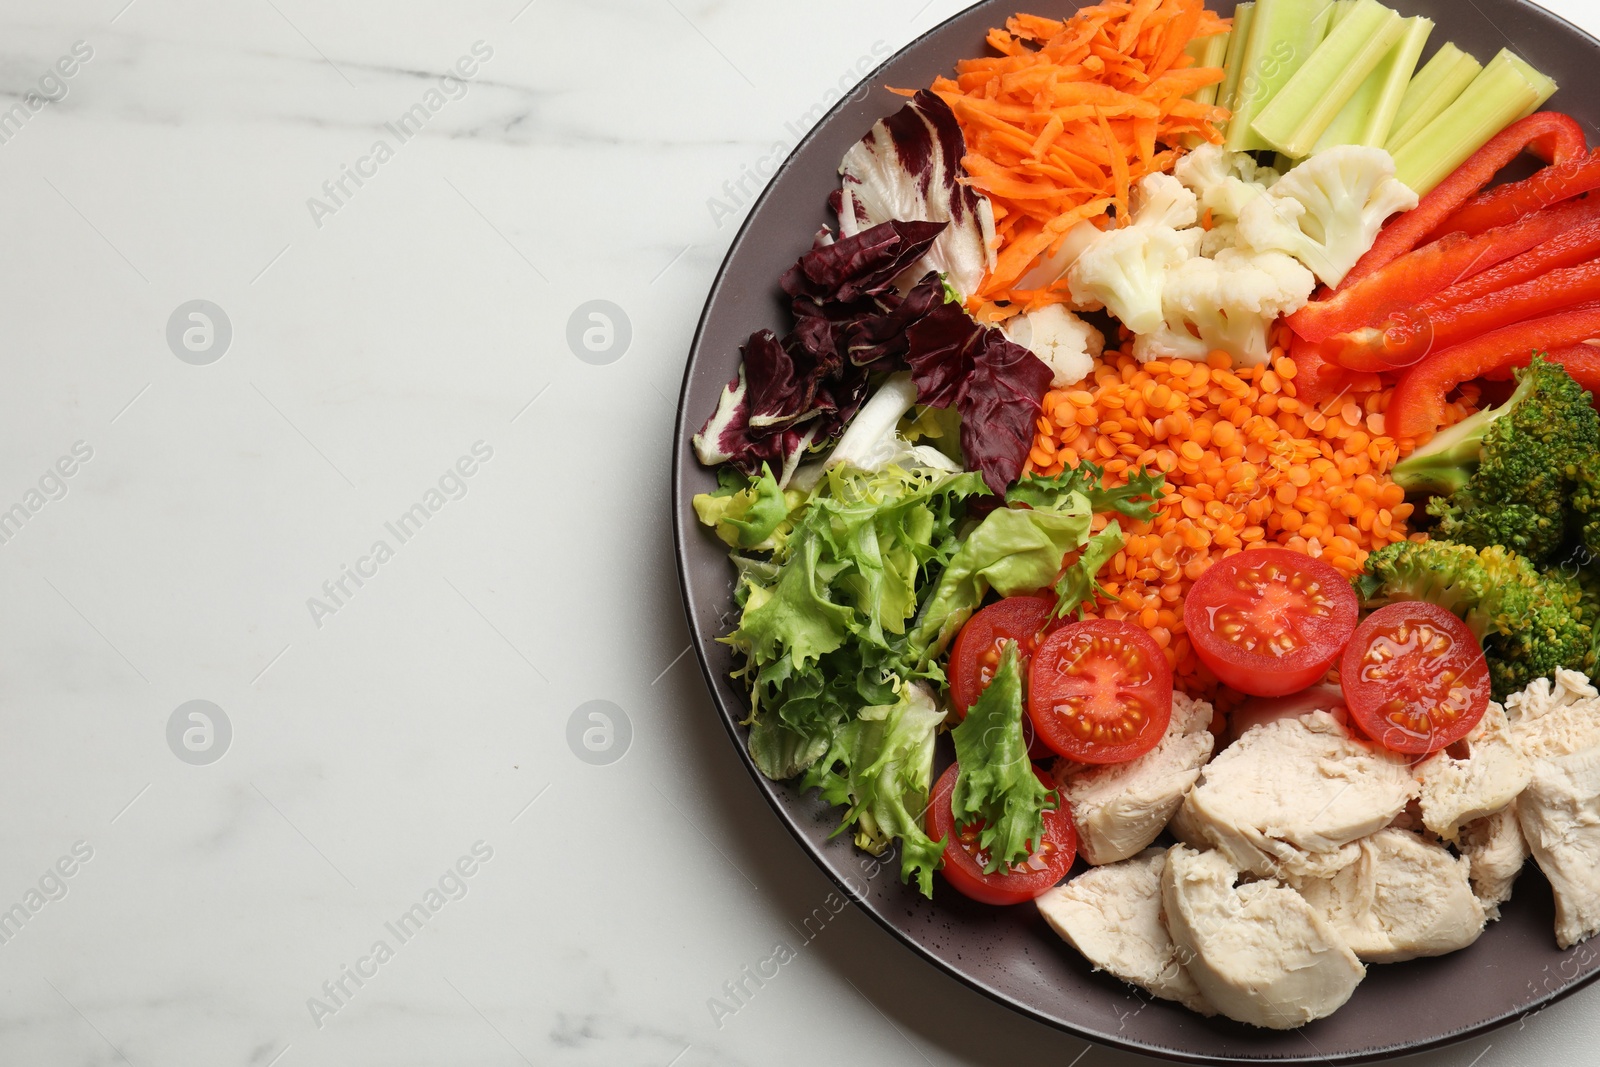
(1560, 816)
(1185, 829)
(1292, 796)
(1120, 809)
(1458, 791)
(1496, 850)
(1558, 727)
(1258, 711)
(1404, 898)
(1112, 915)
(1258, 952)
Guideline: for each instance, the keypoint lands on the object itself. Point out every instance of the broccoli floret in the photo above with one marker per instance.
(1509, 475)
(1529, 622)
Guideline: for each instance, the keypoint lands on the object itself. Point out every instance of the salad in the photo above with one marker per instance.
(1181, 429)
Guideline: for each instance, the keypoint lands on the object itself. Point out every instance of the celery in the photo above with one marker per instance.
(1367, 117)
(1243, 16)
(1311, 99)
(1283, 35)
(1436, 87)
(1543, 84)
(1495, 99)
(1341, 8)
(1208, 52)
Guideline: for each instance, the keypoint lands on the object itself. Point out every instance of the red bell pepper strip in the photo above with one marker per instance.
(1582, 362)
(1417, 405)
(1508, 203)
(1416, 276)
(1553, 137)
(1409, 336)
(1316, 380)
(1573, 247)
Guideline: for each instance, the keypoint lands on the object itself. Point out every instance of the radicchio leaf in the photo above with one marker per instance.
(909, 167)
(850, 323)
(994, 384)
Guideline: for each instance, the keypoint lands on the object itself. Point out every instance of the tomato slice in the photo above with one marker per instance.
(975, 655)
(1270, 622)
(1100, 692)
(1414, 678)
(964, 862)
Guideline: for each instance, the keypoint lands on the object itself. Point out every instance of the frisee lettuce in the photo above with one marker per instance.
(995, 782)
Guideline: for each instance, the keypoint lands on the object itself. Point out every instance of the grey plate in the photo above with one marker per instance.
(1009, 954)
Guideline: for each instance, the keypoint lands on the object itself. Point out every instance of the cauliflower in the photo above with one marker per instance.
(1068, 345)
(1226, 303)
(1123, 270)
(1224, 182)
(1328, 210)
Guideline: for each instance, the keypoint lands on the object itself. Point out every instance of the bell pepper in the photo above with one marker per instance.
(1575, 246)
(1316, 380)
(1418, 275)
(1553, 137)
(1409, 336)
(1508, 203)
(1417, 405)
(1580, 361)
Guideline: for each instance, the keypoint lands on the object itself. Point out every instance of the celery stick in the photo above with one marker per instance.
(1208, 52)
(1435, 88)
(1366, 118)
(1341, 8)
(1494, 100)
(1243, 16)
(1283, 35)
(1542, 83)
(1310, 100)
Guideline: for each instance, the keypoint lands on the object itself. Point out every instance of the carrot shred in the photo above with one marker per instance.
(1067, 115)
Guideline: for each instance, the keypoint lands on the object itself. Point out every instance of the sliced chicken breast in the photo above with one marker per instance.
(1120, 809)
(1497, 852)
(1292, 796)
(1404, 898)
(1456, 791)
(1112, 915)
(1258, 952)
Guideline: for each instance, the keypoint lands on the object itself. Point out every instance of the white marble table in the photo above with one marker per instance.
(201, 505)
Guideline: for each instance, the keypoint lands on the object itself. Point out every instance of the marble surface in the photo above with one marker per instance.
(389, 834)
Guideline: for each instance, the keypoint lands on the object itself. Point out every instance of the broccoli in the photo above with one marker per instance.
(1513, 475)
(1529, 622)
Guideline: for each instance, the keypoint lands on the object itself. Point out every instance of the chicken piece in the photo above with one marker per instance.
(1112, 915)
(1560, 816)
(1458, 791)
(1186, 829)
(1258, 952)
(1403, 898)
(1555, 719)
(1557, 726)
(1121, 808)
(1496, 850)
(1292, 796)
(1258, 711)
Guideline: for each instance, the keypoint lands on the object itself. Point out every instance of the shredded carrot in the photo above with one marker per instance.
(1068, 116)
(1246, 465)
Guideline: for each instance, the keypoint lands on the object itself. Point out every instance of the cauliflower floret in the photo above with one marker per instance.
(1124, 270)
(1226, 303)
(1223, 181)
(1328, 210)
(1068, 345)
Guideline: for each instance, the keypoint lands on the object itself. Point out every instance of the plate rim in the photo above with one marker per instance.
(682, 529)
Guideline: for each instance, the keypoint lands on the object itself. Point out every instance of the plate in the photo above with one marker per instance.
(1511, 973)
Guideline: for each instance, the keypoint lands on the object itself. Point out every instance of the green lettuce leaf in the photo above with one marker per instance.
(1077, 585)
(750, 513)
(1137, 500)
(1014, 550)
(881, 766)
(996, 783)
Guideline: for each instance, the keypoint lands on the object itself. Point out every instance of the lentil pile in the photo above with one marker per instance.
(1246, 466)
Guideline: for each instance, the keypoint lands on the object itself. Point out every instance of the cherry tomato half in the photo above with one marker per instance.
(1100, 692)
(964, 860)
(1414, 678)
(1270, 622)
(975, 655)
